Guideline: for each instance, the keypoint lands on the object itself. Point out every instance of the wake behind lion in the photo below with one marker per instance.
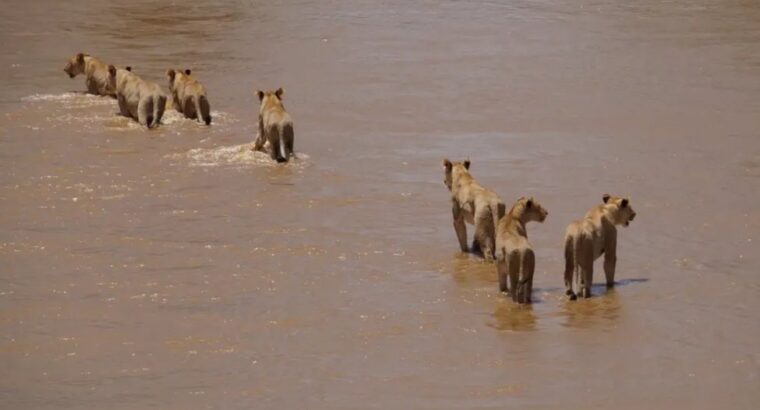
(238, 156)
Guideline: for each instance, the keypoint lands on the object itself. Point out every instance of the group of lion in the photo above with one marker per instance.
(499, 234)
(145, 101)
(502, 235)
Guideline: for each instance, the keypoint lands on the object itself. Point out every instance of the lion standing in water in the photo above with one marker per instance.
(514, 254)
(587, 239)
(95, 72)
(189, 96)
(275, 126)
(476, 205)
(141, 100)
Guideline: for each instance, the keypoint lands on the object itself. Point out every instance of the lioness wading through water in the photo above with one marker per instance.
(474, 204)
(514, 255)
(95, 72)
(144, 101)
(587, 239)
(189, 96)
(275, 126)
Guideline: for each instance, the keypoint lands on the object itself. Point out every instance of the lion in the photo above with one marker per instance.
(587, 239)
(275, 126)
(141, 100)
(515, 256)
(95, 71)
(188, 95)
(474, 204)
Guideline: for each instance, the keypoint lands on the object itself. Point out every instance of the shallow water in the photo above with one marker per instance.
(174, 268)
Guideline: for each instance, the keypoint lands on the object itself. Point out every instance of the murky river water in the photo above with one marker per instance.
(174, 269)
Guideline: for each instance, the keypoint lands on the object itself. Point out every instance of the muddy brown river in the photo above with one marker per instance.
(176, 269)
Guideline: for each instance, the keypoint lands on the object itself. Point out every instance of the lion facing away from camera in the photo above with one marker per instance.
(141, 100)
(514, 254)
(189, 95)
(474, 204)
(275, 126)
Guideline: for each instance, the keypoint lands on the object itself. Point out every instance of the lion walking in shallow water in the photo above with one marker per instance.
(275, 126)
(141, 100)
(588, 238)
(515, 260)
(188, 96)
(95, 72)
(474, 204)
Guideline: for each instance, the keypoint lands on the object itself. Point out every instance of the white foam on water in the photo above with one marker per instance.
(92, 112)
(172, 116)
(241, 155)
(72, 100)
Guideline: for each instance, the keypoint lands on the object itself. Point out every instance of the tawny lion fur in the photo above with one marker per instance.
(275, 126)
(95, 72)
(474, 204)
(141, 100)
(588, 238)
(514, 254)
(189, 95)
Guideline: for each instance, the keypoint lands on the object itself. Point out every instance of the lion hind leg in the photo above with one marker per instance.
(261, 138)
(158, 109)
(145, 112)
(488, 248)
(476, 246)
(274, 145)
(527, 267)
(484, 233)
(569, 267)
(123, 107)
(502, 270)
(189, 108)
(513, 266)
(585, 260)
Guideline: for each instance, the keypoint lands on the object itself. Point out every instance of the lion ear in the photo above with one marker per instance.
(606, 198)
(466, 163)
(171, 73)
(80, 57)
(446, 164)
(260, 94)
(529, 204)
(187, 71)
(624, 203)
(128, 68)
(279, 93)
(111, 70)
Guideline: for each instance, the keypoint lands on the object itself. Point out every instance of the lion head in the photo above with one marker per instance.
(176, 76)
(270, 99)
(527, 210)
(454, 168)
(618, 209)
(532, 210)
(113, 75)
(75, 65)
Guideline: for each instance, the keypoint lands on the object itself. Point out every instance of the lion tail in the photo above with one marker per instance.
(575, 248)
(497, 214)
(283, 148)
(203, 109)
(527, 263)
(160, 107)
(148, 112)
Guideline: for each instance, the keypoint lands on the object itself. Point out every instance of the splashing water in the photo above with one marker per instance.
(241, 155)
